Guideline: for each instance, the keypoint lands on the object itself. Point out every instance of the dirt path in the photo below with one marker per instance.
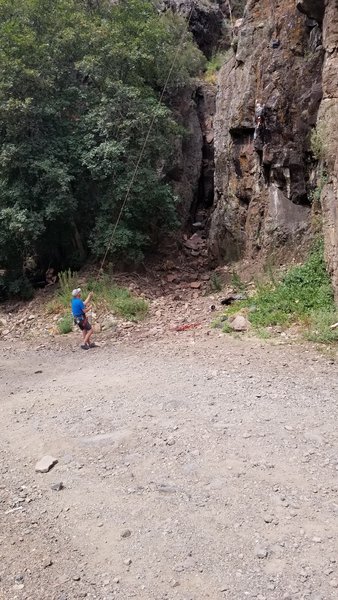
(207, 469)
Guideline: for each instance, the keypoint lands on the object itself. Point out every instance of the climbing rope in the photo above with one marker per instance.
(133, 177)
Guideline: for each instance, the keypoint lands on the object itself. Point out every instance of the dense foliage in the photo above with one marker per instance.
(79, 86)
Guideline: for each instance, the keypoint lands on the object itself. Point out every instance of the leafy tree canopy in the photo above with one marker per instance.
(80, 83)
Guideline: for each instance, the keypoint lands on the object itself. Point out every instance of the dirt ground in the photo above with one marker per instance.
(193, 467)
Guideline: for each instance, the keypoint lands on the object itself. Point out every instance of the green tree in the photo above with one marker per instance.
(79, 86)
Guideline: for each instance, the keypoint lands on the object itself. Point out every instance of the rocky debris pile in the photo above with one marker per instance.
(195, 244)
(178, 294)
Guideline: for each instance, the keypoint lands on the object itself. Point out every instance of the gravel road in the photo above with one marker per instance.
(194, 467)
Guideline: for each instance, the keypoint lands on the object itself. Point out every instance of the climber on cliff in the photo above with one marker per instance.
(259, 121)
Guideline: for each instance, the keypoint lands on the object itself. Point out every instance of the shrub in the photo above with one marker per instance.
(216, 284)
(65, 324)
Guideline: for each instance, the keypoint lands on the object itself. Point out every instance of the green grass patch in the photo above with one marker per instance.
(214, 65)
(302, 296)
(319, 327)
(226, 328)
(105, 295)
(65, 324)
(302, 291)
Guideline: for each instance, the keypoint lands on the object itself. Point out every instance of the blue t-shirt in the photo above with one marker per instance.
(78, 307)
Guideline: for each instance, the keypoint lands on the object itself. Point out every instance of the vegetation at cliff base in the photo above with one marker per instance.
(108, 297)
(80, 83)
(303, 296)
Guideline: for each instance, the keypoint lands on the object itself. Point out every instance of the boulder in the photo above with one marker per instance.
(239, 323)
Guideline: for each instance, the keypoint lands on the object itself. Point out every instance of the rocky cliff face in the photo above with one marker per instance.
(277, 87)
(267, 102)
(328, 131)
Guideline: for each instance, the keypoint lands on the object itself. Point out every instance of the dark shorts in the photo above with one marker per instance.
(83, 324)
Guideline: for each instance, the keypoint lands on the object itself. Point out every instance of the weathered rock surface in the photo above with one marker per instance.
(328, 134)
(267, 102)
(185, 171)
(192, 171)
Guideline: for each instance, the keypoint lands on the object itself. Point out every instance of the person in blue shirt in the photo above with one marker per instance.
(79, 310)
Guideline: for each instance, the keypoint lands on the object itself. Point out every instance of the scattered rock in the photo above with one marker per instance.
(127, 562)
(261, 552)
(268, 519)
(195, 285)
(239, 323)
(126, 533)
(47, 563)
(45, 464)
(57, 487)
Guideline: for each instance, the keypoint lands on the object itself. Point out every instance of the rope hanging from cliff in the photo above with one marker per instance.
(133, 177)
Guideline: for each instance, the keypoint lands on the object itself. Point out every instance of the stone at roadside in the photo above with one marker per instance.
(126, 533)
(195, 285)
(239, 323)
(261, 552)
(47, 563)
(268, 519)
(45, 464)
(57, 487)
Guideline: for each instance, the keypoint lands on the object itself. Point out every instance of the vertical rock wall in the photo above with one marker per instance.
(327, 128)
(268, 98)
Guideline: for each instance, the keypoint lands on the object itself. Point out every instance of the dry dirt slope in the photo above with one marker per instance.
(216, 459)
